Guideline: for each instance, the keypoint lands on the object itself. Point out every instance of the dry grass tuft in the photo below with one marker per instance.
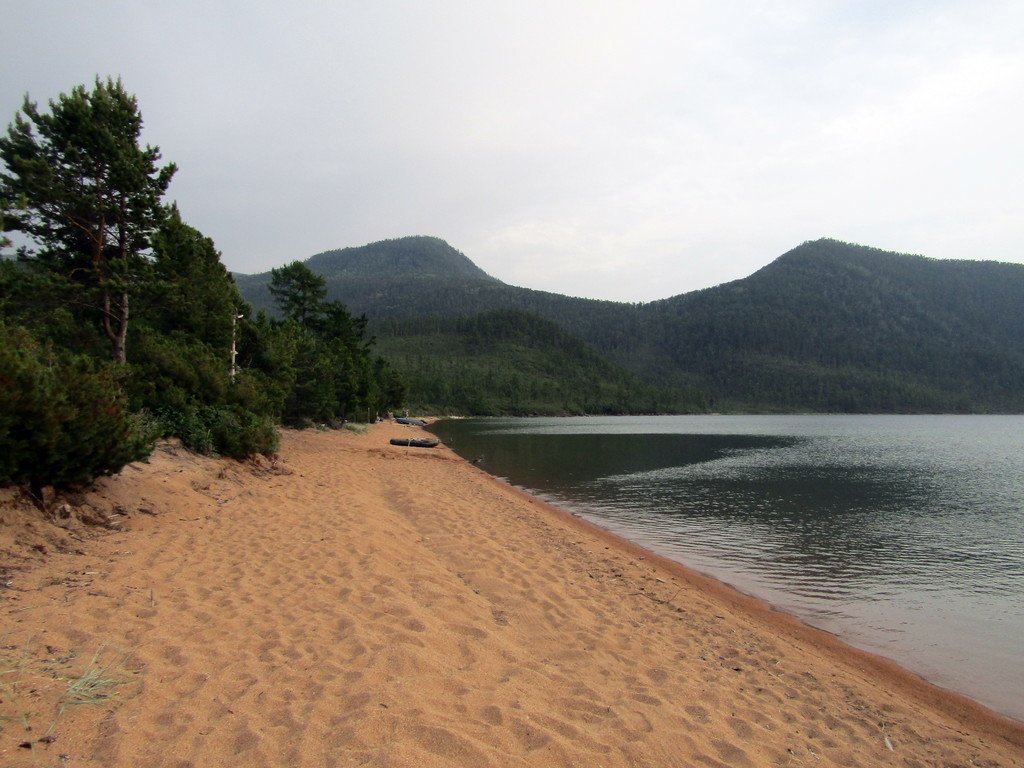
(96, 684)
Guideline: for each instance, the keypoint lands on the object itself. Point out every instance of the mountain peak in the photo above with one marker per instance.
(407, 258)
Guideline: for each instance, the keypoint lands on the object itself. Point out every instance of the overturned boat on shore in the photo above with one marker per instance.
(415, 442)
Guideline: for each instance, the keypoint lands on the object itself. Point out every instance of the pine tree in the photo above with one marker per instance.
(80, 185)
(298, 291)
(62, 417)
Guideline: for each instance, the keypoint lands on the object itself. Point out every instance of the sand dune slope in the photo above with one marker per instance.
(362, 604)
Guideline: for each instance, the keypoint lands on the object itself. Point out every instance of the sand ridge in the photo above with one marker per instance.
(358, 603)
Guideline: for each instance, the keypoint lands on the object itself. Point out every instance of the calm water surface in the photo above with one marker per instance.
(902, 534)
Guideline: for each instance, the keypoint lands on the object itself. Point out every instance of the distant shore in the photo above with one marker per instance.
(362, 603)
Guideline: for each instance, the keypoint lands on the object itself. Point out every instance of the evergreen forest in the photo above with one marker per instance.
(828, 327)
(119, 324)
(514, 363)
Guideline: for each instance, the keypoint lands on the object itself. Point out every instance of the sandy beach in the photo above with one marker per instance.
(356, 603)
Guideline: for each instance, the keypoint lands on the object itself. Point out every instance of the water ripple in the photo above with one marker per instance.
(905, 534)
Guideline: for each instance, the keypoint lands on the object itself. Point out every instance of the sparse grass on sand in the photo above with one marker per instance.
(31, 683)
(96, 684)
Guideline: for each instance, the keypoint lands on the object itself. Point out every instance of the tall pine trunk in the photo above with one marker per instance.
(116, 328)
(121, 337)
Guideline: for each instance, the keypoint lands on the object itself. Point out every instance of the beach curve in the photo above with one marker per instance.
(357, 603)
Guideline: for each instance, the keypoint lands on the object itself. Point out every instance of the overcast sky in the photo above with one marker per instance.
(629, 151)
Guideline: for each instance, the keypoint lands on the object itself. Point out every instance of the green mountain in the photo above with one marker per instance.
(513, 362)
(414, 277)
(407, 277)
(836, 327)
(828, 326)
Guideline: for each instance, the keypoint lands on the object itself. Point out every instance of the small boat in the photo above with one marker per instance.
(415, 442)
(410, 422)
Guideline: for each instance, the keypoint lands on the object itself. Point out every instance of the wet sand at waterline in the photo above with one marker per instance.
(357, 603)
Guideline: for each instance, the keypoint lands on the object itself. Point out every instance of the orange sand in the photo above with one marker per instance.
(362, 604)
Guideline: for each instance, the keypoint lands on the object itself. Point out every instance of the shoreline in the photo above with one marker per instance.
(784, 610)
(953, 702)
(964, 646)
(788, 623)
(361, 603)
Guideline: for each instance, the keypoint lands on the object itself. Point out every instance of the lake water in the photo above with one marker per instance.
(904, 535)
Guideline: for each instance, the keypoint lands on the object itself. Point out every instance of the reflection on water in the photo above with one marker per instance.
(903, 534)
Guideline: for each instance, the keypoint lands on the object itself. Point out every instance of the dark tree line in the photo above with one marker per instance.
(829, 326)
(511, 362)
(333, 372)
(118, 320)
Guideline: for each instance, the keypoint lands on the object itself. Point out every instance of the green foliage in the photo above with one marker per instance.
(836, 327)
(190, 291)
(320, 356)
(76, 181)
(827, 327)
(79, 184)
(174, 371)
(181, 343)
(181, 351)
(510, 362)
(44, 301)
(187, 424)
(222, 430)
(239, 433)
(298, 292)
(62, 416)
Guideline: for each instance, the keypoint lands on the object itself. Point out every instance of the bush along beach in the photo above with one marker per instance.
(119, 324)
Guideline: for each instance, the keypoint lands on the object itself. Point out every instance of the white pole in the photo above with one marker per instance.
(234, 349)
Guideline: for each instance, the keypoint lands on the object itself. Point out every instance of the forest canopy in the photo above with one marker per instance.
(119, 323)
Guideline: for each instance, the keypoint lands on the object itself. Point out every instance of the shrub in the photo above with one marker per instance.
(220, 430)
(239, 433)
(187, 425)
(63, 418)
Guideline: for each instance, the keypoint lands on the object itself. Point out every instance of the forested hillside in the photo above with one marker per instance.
(413, 277)
(407, 277)
(417, 277)
(512, 362)
(829, 326)
(836, 327)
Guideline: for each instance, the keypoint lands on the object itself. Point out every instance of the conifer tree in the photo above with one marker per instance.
(298, 291)
(80, 185)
